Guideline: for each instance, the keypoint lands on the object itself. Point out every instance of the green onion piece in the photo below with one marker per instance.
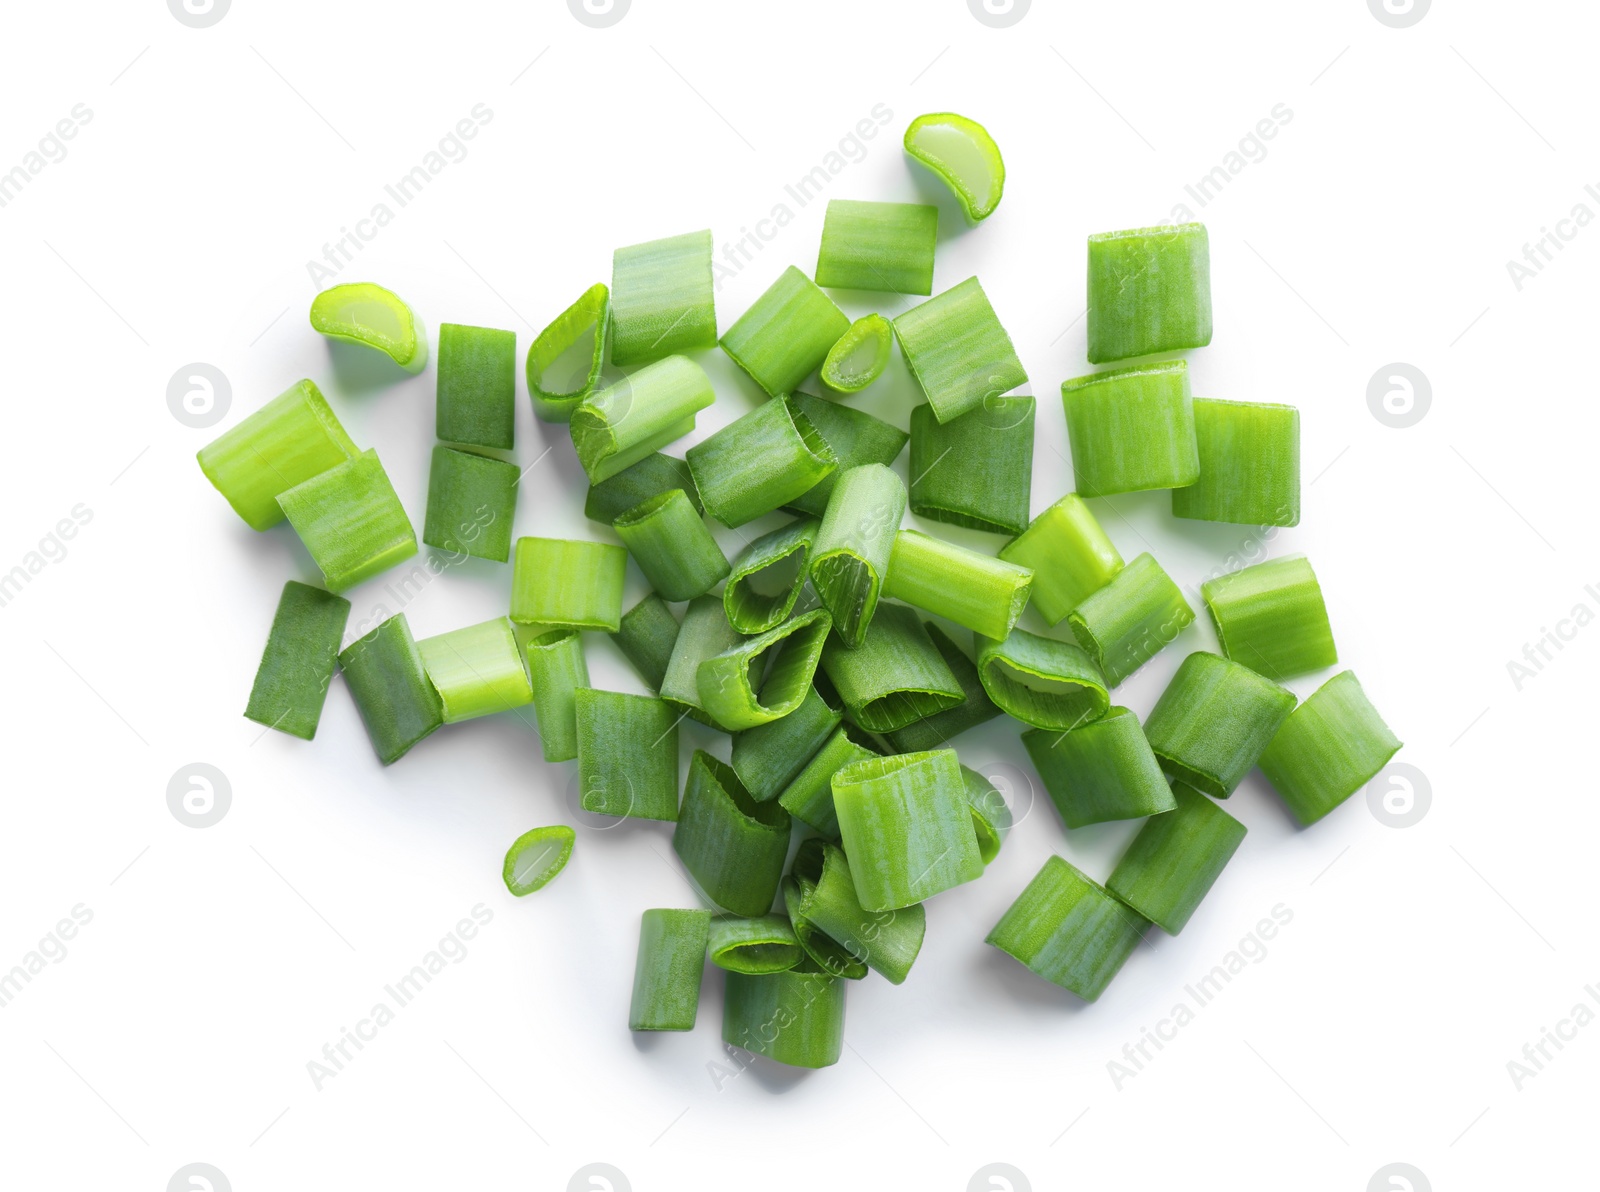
(477, 671)
(351, 521)
(1101, 772)
(1131, 619)
(784, 337)
(292, 438)
(662, 299)
(976, 470)
(646, 635)
(809, 796)
(963, 154)
(729, 681)
(476, 398)
(650, 477)
(1042, 681)
(764, 944)
(1070, 555)
(769, 756)
(1329, 748)
(1249, 464)
(389, 682)
(565, 360)
(1272, 618)
(705, 633)
(373, 317)
(958, 351)
(767, 577)
(471, 501)
(1068, 930)
(859, 356)
(897, 675)
(734, 846)
(1132, 429)
(572, 584)
(623, 423)
(758, 462)
(1175, 860)
(991, 818)
(933, 732)
(841, 937)
(855, 437)
(627, 755)
(794, 1018)
(297, 664)
(878, 246)
(535, 858)
(978, 591)
(1149, 291)
(1213, 720)
(673, 546)
(851, 555)
(557, 668)
(667, 974)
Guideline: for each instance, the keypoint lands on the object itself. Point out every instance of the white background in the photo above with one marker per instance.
(219, 962)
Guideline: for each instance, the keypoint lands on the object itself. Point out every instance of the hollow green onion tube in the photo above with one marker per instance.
(1175, 860)
(663, 299)
(906, 827)
(991, 818)
(860, 355)
(351, 521)
(389, 682)
(728, 681)
(878, 246)
(978, 591)
(1213, 720)
(623, 423)
(809, 795)
(557, 668)
(933, 732)
(854, 436)
(964, 156)
(1249, 464)
(794, 1018)
(1068, 930)
(297, 665)
(769, 756)
(851, 555)
(561, 375)
(673, 546)
(476, 395)
(822, 895)
(734, 846)
(646, 635)
(535, 858)
(650, 477)
(1132, 619)
(1149, 291)
(958, 351)
(705, 633)
(292, 438)
(1329, 748)
(477, 670)
(668, 972)
(786, 334)
(766, 578)
(1132, 429)
(897, 676)
(1101, 772)
(1041, 681)
(1272, 618)
(976, 470)
(471, 501)
(627, 755)
(1070, 556)
(370, 316)
(758, 462)
(571, 584)
(764, 944)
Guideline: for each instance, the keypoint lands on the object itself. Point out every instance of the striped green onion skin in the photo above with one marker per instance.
(557, 668)
(855, 438)
(958, 351)
(809, 795)
(1101, 772)
(1249, 464)
(351, 521)
(906, 826)
(934, 732)
(794, 1018)
(823, 895)
(1329, 748)
(732, 845)
(977, 591)
(620, 425)
(785, 336)
(389, 683)
(292, 438)
(1130, 620)
(1068, 930)
(476, 395)
(646, 635)
(297, 664)
(768, 575)
(556, 389)
(1132, 429)
(851, 555)
(1069, 553)
(673, 546)
(535, 858)
(895, 677)
(471, 501)
(1149, 291)
(759, 462)
(668, 972)
(1272, 618)
(991, 817)
(650, 477)
(764, 944)
(800, 895)
(627, 755)
(1175, 860)
(477, 670)
(963, 154)
(1042, 681)
(663, 299)
(370, 316)
(770, 756)
(878, 246)
(976, 470)
(860, 355)
(569, 584)
(734, 693)
(704, 634)
(1213, 720)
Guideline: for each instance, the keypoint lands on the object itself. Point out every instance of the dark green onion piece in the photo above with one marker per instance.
(535, 858)
(663, 299)
(958, 351)
(705, 633)
(351, 521)
(759, 462)
(1130, 620)
(978, 591)
(1212, 722)
(1101, 772)
(976, 470)
(573, 584)
(623, 423)
(764, 944)
(1329, 748)
(627, 755)
(794, 1018)
(860, 356)
(667, 974)
(1041, 681)
(731, 684)
(767, 758)
(477, 389)
(557, 668)
(784, 337)
(1069, 553)
(646, 635)
(558, 383)
(477, 670)
(1132, 429)
(933, 732)
(673, 546)
(854, 436)
(1249, 464)
(809, 796)
(841, 937)
(767, 577)
(388, 681)
(1068, 930)
(297, 664)
(471, 501)
(991, 818)
(896, 677)
(1272, 618)
(878, 246)
(1175, 859)
(1149, 291)
(732, 845)
(650, 477)
(851, 555)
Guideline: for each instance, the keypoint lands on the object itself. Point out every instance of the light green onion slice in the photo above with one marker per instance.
(764, 944)
(1329, 748)
(1132, 429)
(565, 359)
(1149, 291)
(853, 547)
(477, 670)
(860, 355)
(991, 818)
(646, 635)
(673, 546)
(974, 590)
(650, 477)
(809, 796)
(1213, 720)
(767, 577)
(662, 299)
(389, 683)
(1100, 772)
(557, 668)
(793, 1018)
(623, 423)
(1069, 553)
(758, 462)
(351, 521)
(733, 691)
(535, 858)
(471, 501)
(841, 937)
(769, 756)
(976, 470)
(1249, 464)
(571, 584)
(1042, 681)
(878, 246)
(785, 336)
(627, 755)
(373, 317)
(855, 438)
(670, 966)
(895, 677)
(476, 395)
(963, 154)
(1068, 930)
(297, 664)
(734, 846)
(934, 732)
(1272, 618)
(1130, 620)
(705, 633)
(1175, 860)
(958, 351)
